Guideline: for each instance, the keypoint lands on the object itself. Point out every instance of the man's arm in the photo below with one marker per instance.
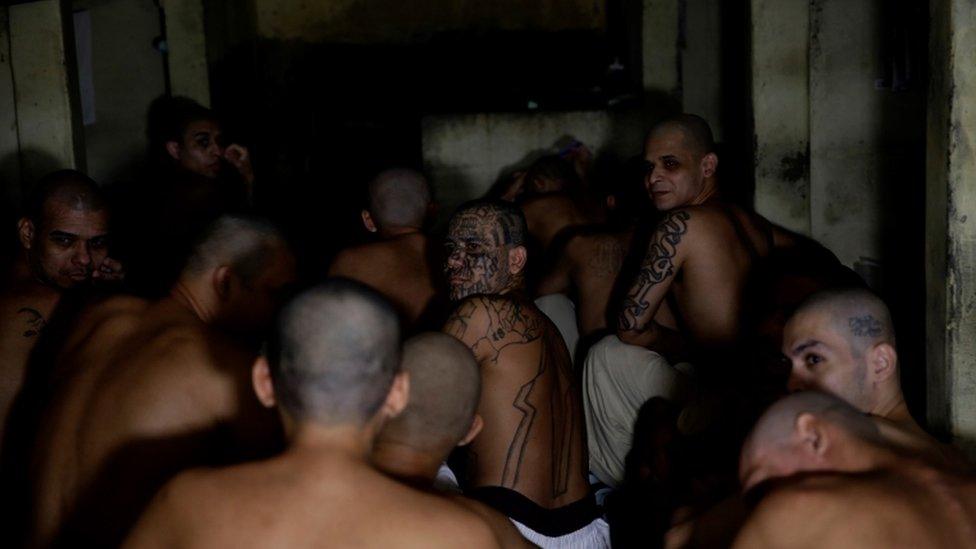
(666, 253)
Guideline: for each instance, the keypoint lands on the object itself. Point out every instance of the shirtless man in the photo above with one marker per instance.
(553, 200)
(530, 460)
(144, 389)
(332, 369)
(850, 488)
(591, 258)
(445, 386)
(399, 264)
(64, 241)
(843, 342)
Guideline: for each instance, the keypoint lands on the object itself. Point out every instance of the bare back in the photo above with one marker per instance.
(548, 214)
(701, 257)
(303, 501)
(532, 441)
(588, 269)
(143, 391)
(399, 268)
(888, 509)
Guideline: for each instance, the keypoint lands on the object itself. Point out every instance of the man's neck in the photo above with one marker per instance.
(406, 463)
(708, 193)
(183, 294)
(23, 277)
(394, 232)
(894, 409)
(349, 441)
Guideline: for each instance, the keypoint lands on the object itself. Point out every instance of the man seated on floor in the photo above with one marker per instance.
(445, 386)
(144, 389)
(531, 455)
(401, 264)
(831, 479)
(685, 301)
(64, 243)
(553, 200)
(842, 341)
(332, 371)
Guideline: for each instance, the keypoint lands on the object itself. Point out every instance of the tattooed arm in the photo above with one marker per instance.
(665, 256)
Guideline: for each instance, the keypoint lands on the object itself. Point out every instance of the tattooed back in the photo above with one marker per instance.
(533, 440)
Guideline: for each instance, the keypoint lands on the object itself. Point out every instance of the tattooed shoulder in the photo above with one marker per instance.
(489, 324)
(34, 321)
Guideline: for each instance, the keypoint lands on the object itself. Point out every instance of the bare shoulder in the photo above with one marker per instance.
(489, 324)
(173, 513)
(505, 532)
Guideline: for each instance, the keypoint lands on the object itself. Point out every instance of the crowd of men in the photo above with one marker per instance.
(575, 362)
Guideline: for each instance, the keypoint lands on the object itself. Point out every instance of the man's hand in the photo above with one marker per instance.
(109, 271)
(239, 157)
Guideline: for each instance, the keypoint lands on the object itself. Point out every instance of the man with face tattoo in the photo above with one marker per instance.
(530, 460)
(63, 237)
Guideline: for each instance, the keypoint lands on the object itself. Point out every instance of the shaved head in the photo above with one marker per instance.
(67, 188)
(695, 130)
(399, 198)
(445, 387)
(334, 353)
(243, 243)
(777, 447)
(856, 313)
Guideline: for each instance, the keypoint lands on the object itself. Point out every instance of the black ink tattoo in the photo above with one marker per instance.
(865, 326)
(657, 266)
(35, 321)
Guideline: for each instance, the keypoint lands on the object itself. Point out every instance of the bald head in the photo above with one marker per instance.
(399, 198)
(697, 135)
(69, 189)
(445, 386)
(334, 353)
(857, 314)
(802, 432)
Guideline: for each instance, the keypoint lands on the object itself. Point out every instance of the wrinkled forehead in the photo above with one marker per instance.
(476, 226)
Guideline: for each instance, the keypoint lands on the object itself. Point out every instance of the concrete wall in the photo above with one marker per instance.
(950, 237)
(464, 155)
(398, 21)
(9, 147)
(128, 74)
(847, 140)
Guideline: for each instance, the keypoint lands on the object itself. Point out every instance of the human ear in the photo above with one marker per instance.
(25, 231)
(399, 395)
(517, 257)
(222, 281)
(368, 221)
(709, 164)
(882, 359)
(261, 381)
(476, 425)
(809, 430)
(173, 148)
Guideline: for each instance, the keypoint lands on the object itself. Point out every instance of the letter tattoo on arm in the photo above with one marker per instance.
(658, 265)
(865, 326)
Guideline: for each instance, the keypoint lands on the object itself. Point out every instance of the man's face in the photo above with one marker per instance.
(253, 304)
(477, 256)
(67, 244)
(201, 150)
(674, 172)
(822, 359)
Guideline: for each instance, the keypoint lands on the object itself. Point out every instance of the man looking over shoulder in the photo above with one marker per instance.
(445, 386)
(332, 371)
(701, 252)
(399, 264)
(530, 460)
